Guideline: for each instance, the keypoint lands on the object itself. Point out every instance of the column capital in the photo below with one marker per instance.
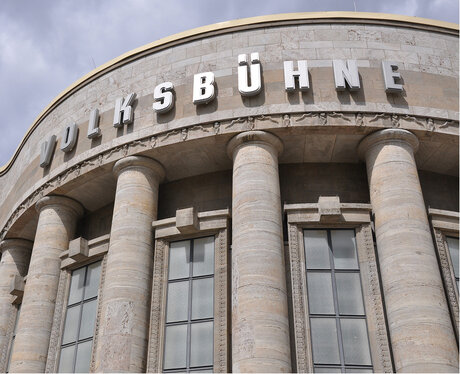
(15, 243)
(254, 136)
(139, 162)
(387, 136)
(60, 201)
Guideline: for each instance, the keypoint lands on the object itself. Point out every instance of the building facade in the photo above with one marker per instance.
(274, 194)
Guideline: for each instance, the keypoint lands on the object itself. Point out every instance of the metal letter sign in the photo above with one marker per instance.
(390, 75)
(203, 88)
(163, 97)
(47, 151)
(346, 72)
(290, 74)
(254, 74)
(124, 113)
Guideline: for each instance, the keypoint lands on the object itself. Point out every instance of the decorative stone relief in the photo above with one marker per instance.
(154, 350)
(58, 323)
(366, 242)
(300, 332)
(94, 353)
(451, 287)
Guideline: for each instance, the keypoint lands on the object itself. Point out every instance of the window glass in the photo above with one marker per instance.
(177, 306)
(336, 308)
(324, 337)
(179, 260)
(175, 346)
(189, 335)
(452, 243)
(201, 344)
(320, 299)
(344, 249)
(316, 249)
(80, 319)
(349, 293)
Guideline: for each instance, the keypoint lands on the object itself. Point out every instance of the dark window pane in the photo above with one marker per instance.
(71, 324)
(316, 249)
(179, 260)
(203, 298)
(66, 360)
(320, 298)
(453, 250)
(201, 352)
(349, 293)
(355, 342)
(203, 256)
(88, 319)
(175, 347)
(344, 249)
(76, 286)
(324, 339)
(83, 357)
(177, 306)
(93, 276)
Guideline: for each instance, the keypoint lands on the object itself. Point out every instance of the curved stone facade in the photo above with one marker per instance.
(315, 122)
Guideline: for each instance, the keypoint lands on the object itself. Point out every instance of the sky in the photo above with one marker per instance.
(46, 45)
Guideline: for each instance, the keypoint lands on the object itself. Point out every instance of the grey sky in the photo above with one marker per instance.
(45, 45)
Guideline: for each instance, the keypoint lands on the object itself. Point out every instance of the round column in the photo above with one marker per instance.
(57, 222)
(15, 261)
(421, 330)
(127, 289)
(260, 325)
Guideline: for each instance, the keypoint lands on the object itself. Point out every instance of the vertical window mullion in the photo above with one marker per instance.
(77, 337)
(336, 302)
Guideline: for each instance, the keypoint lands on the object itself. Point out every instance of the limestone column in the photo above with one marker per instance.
(57, 222)
(15, 261)
(420, 327)
(126, 296)
(260, 326)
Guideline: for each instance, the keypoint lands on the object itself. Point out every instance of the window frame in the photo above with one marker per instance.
(213, 223)
(97, 250)
(445, 223)
(339, 216)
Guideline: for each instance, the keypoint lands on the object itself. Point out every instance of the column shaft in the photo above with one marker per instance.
(56, 227)
(260, 325)
(15, 261)
(127, 289)
(421, 330)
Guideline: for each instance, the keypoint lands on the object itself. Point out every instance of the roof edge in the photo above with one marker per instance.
(228, 26)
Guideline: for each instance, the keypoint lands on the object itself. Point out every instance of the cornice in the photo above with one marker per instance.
(364, 122)
(230, 26)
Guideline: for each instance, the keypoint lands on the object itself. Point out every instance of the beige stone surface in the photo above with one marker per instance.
(14, 263)
(260, 324)
(56, 227)
(124, 325)
(421, 330)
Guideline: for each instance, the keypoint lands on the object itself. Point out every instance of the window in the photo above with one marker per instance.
(452, 244)
(190, 294)
(337, 317)
(13, 338)
(77, 336)
(189, 327)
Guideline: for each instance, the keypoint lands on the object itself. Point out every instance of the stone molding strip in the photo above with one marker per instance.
(362, 120)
